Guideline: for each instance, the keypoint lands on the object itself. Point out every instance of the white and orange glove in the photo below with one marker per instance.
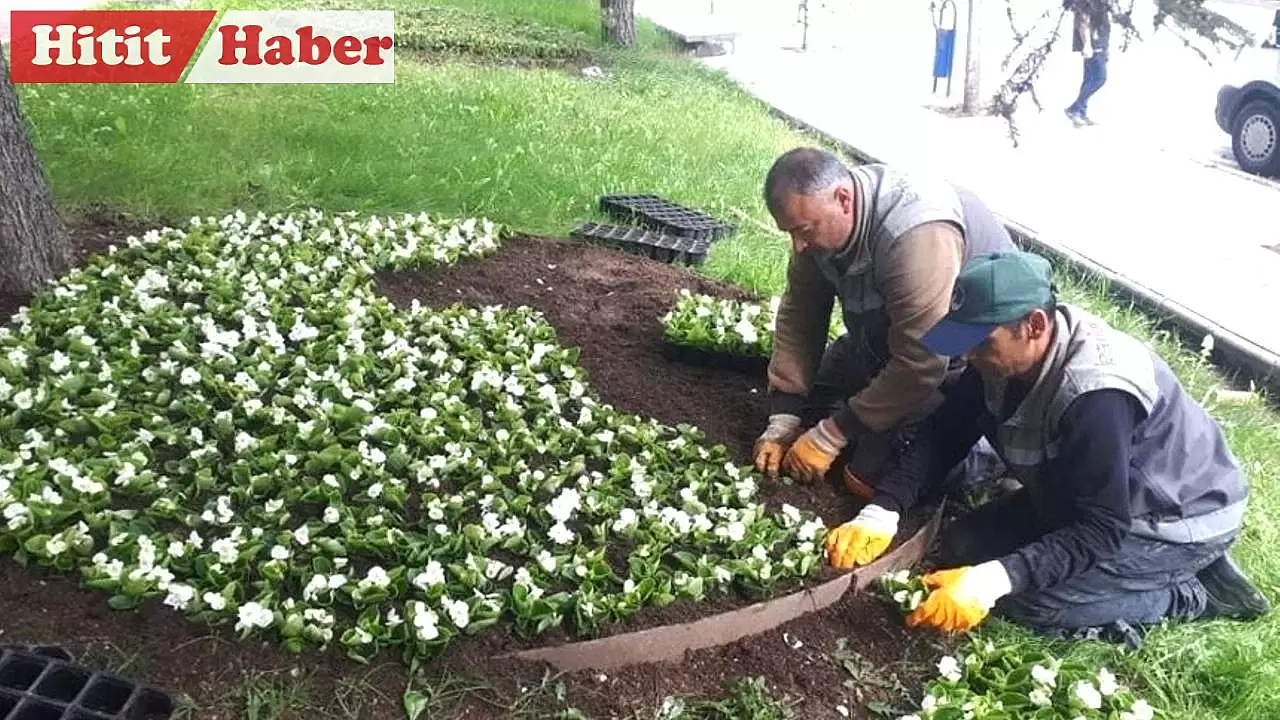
(811, 456)
(961, 598)
(772, 446)
(862, 539)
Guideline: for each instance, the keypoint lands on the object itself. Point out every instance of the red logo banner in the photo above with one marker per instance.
(104, 46)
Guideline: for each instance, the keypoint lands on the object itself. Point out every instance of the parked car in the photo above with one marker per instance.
(1249, 107)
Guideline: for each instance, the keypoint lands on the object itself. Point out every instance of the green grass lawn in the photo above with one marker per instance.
(535, 149)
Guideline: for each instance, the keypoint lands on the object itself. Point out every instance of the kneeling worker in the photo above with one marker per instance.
(1130, 495)
(888, 244)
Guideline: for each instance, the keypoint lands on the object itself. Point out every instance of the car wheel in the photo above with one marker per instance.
(1255, 138)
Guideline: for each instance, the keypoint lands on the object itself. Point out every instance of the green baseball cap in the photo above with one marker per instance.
(991, 290)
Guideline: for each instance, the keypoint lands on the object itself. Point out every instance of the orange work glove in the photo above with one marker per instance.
(809, 459)
(862, 539)
(961, 598)
(773, 444)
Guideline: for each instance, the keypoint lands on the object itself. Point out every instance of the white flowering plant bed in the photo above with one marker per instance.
(1004, 683)
(994, 683)
(226, 417)
(721, 325)
(739, 333)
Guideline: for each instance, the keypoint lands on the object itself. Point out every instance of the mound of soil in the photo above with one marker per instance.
(608, 304)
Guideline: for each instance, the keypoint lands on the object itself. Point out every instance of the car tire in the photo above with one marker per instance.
(1255, 137)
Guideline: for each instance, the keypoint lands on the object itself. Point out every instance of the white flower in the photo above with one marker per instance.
(949, 669)
(331, 515)
(214, 601)
(24, 399)
(1044, 675)
(1141, 710)
(747, 331)
(189, 376)
(279, 552)
(459, 611)
(560, 534)
(1107, 683)
(564, 505)
(425, 622)
(376, 577)
(547, 561)
(1087, 694)
(1040, 697)
(302, 535)
(179, 596)
(252, 615)
(433, 574)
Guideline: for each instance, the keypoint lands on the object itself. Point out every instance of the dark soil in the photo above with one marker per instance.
(804, 662)
(608, 304)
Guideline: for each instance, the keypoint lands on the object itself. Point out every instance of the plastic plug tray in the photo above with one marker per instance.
(35, 686)
(660, 214)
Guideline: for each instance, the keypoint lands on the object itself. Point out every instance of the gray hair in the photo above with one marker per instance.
(802, 171)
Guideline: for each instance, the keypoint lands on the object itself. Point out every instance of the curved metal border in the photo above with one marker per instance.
(671, 642)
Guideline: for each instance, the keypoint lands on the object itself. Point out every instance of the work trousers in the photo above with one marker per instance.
(1146, 581)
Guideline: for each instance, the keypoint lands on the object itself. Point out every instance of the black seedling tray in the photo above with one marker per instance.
(664, 216)
(35, 686)
(663, 248)
(751, 364)
(49, 651)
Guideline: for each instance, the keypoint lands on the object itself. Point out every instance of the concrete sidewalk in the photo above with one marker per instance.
(1187, 237)
(1183, 236)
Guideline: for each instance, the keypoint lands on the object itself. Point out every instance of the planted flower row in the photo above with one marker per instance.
(734, 327)
(989, 682)
(229, 418)
(724, 326)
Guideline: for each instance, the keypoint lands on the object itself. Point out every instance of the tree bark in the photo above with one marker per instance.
(973, 59)
(618, 21)
(34, 246)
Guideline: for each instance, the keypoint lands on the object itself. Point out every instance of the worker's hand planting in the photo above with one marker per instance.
(960, 598)
(862, 539)
(811, 456)
(772, 446)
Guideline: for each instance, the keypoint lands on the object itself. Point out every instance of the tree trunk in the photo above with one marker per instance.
(973, 59)
(33, 241)
(618, 21)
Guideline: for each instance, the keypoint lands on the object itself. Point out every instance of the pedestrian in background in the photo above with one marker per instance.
(1091, 35)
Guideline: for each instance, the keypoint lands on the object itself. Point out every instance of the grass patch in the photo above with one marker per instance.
(535, 148)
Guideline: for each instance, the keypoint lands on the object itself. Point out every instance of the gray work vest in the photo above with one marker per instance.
(1185, 484)
(897, 202)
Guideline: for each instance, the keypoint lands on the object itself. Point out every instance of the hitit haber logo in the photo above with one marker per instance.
(156, 46)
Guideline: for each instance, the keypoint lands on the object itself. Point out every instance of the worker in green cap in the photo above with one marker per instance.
(1129, 496)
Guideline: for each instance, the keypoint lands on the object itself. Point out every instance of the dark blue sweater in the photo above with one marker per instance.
(1085, 489)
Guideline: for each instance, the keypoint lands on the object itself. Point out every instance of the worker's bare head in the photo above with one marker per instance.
(809, 192)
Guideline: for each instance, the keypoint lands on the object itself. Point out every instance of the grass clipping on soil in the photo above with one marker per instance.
(229, 418)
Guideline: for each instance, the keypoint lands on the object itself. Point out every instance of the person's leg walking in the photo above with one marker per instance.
(1094, 77)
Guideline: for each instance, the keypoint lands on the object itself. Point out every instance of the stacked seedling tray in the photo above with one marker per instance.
(662, 230)
(663, 248)
(38, 685)
(659, 214)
